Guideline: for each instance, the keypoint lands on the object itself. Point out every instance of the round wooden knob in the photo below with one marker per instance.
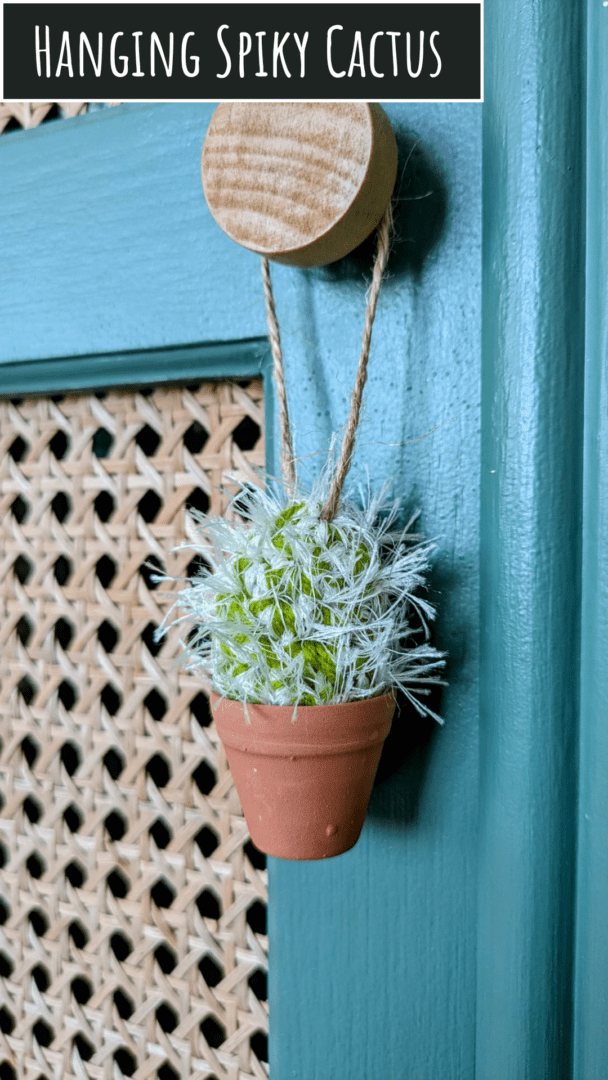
(303, 183)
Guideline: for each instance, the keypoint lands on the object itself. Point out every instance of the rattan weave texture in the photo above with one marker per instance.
(29, 114)
(133, 934)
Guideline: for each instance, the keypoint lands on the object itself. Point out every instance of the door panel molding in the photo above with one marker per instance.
(146, 367)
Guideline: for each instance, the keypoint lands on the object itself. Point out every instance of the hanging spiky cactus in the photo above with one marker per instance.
(293, 609)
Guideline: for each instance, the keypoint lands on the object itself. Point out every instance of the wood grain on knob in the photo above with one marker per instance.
(303, 183)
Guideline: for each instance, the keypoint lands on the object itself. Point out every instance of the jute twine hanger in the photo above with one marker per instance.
(384, 233)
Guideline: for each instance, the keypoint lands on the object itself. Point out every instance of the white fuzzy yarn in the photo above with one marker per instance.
(298, 610)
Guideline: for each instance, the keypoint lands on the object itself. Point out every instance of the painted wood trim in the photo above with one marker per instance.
(184, 363)
(171, 365)
(591, 967)
(532, 418)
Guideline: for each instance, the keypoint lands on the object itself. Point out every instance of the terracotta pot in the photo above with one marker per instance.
(304, 784)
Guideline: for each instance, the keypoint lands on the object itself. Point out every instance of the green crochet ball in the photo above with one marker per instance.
(286, 581)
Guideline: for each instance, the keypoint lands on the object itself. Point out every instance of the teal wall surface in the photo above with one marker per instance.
(373, 955)
(464, 938)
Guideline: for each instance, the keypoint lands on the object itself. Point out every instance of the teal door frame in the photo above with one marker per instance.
(533, 416)
(590, 1041)
(543, 871)
(466, 937)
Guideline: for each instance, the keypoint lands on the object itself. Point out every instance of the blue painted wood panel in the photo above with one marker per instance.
(107, 244)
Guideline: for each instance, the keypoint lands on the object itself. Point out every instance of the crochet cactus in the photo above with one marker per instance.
(295, 610)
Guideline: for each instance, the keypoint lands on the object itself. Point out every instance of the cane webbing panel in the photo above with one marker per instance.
(133, 934)
(29, 114)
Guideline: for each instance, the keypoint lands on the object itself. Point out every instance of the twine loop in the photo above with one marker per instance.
(348, 443)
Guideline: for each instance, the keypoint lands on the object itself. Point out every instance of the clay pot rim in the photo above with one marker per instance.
(308, 710)
(312, 733)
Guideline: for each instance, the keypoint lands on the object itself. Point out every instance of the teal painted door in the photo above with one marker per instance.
(443, 946)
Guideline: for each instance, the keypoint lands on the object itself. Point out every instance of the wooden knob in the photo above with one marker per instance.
(303, 183)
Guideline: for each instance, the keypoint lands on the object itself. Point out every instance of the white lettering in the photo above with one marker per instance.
(138, 72)
(335, 74)
(225, 51)
(277, 51)
(414, 74)
(39, 52)
(372, 56)
(357, 51)
(125, 59)
(394, 34)
(65, 50)
(434, 35)
(156, 45)
(197, 59)
(302, 49)
(243, 52)
(84, 42)
(261, 74)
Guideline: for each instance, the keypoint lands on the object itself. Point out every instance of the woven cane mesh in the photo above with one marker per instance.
(29, 114)
(132, 901)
